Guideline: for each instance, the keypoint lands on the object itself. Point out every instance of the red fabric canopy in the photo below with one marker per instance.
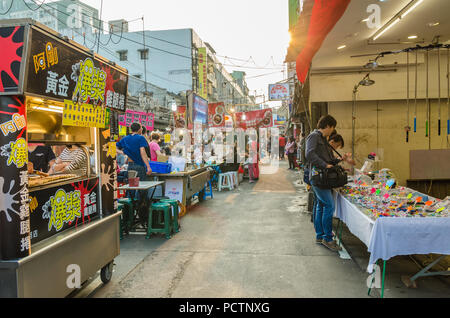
(325, 15)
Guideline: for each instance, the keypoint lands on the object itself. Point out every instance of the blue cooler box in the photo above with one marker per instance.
(160, 167)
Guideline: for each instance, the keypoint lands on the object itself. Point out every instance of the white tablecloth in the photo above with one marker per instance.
(390, 236)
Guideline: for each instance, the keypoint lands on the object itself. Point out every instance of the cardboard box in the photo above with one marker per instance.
(162, 158)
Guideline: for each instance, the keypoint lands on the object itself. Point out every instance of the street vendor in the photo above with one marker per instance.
(72, 158)
(155, 149)
(40, 157)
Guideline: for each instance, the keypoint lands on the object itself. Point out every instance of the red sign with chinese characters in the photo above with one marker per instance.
(255, 119)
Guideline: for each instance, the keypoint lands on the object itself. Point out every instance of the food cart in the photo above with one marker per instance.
(183, 185)
(58, 229)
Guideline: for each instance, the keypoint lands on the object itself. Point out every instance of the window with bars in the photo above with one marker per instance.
(123, 55)
(144, 54)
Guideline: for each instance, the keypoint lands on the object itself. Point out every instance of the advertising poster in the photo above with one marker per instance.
(11, 44)
(180, 117)
(147, 120)
(14, 208)
(203, 73)
(56, 209)
(199, 109)
(174, 189)
(84, 115)
(61, 72)
(255, 119)
(216, 115)
(278, 91)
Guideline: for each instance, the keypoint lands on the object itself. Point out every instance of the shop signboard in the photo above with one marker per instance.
(180, 117)
(147, 120)
(11, 44)
(255, 119)
(62, 72)
(278, 91)
(278, 120)
(203, 72)
(200, 109)
(84, 115)
(14, 212)
(216, 115)
(55, 209)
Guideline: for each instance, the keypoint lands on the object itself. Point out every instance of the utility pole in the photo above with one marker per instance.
(145, 61)
(100, 21)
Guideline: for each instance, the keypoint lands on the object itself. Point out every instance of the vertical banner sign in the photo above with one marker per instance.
(14, 197)
(11, 44)
(216, 115)
(108, 173)
(203, 72)
(294, 12)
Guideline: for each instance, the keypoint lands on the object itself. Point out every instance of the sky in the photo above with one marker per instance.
(234, 28)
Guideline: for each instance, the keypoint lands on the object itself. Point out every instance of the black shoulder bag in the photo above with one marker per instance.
(330, 178)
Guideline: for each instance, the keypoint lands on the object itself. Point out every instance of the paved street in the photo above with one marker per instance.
(256, 241)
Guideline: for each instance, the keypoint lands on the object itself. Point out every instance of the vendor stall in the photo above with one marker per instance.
(393, 220)
(183, 185)
(62, 221)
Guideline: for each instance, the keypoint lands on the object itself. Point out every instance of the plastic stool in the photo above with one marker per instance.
(168, 226)
(127, 216)
(225, 177)
(174, 206)
(235, 178)
(210, 193)
(119, 208)
(231, 174)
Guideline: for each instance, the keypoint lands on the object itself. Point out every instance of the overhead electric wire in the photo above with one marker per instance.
(113, 55)
(156, 48)
(43, 1)
(9, 9)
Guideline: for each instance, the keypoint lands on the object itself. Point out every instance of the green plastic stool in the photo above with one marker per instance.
(120, 208)
(129, 204)
(174, 205)
(168, 226)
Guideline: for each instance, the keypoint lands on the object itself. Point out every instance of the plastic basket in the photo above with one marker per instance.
(160, 167)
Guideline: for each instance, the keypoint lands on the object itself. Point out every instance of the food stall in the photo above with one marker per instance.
(57, 228)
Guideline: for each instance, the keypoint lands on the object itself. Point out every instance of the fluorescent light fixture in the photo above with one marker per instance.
(56, 107)
(387, 28)
(412, 37)
(341, 47)
(433, 24)
(411, 8)
(49, 110)
(38, 100)
(365, 20)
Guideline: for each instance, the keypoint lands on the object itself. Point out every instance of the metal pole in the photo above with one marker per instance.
(100, 21)
(355, 90)
(145, 61)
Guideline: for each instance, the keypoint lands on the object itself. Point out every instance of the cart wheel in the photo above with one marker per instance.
(106, 273)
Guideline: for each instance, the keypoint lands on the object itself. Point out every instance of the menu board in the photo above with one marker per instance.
(147, 120)
(84, 115)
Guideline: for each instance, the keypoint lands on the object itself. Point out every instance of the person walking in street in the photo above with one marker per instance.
(319, 156)
(282, 144)
(291, 149)
(134, 146)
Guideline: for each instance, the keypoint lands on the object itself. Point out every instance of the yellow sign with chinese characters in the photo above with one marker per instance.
(83, 115)
(65, 207)
(203, 73)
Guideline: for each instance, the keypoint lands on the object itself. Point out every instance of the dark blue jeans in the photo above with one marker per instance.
(323, 210)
